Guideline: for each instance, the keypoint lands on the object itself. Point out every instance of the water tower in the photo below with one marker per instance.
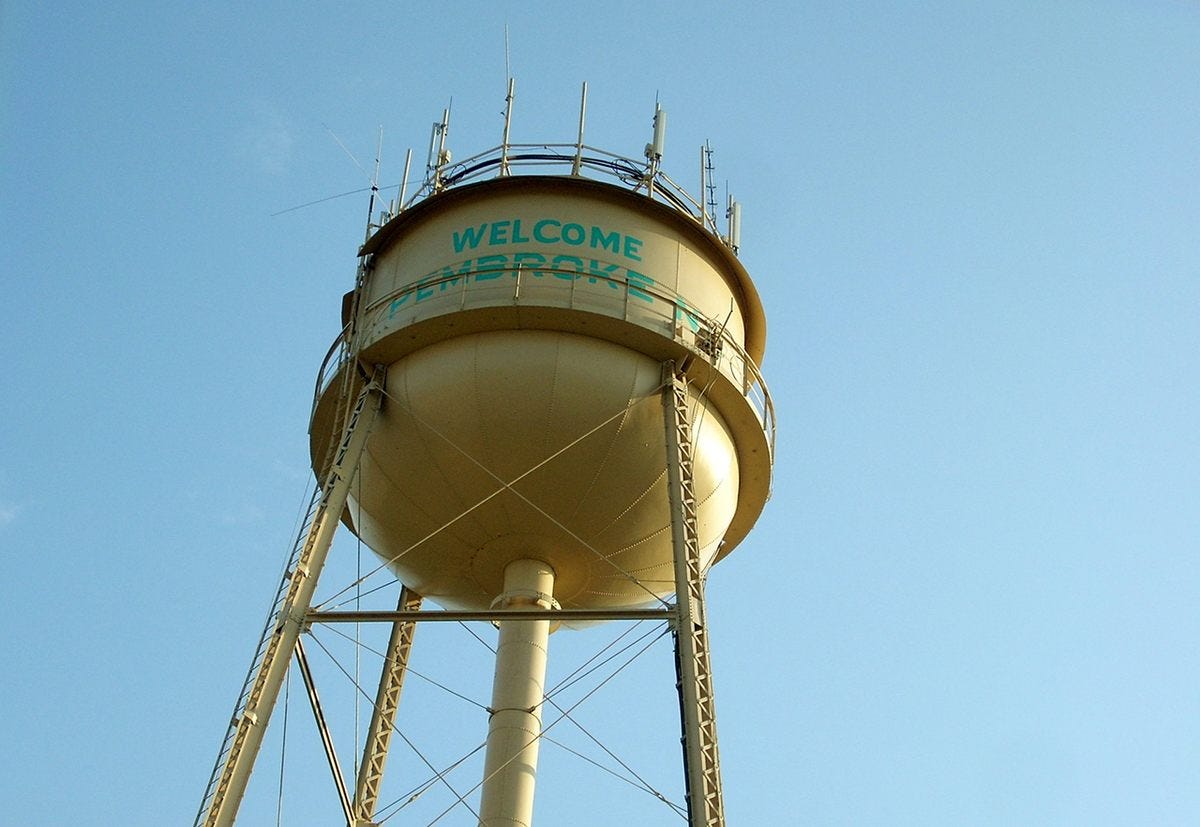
(544, 410)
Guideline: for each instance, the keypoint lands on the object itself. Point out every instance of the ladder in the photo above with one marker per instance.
(286, 618)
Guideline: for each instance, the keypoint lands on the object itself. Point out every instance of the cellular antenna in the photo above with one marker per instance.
(433, 136)
(654, 149)
(660, 133)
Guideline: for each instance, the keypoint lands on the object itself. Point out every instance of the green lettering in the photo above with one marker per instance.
(448, 275)
(394, 307)
(482, 274)
(681, 312)
(633, 246)
(607, 273)
(574, 234)
(499, 233)
(540, 235)
(603, 241)
(422, 291)
(520, 260)
(557, 264)
(632, 277)
(470, 237)
(517, 238)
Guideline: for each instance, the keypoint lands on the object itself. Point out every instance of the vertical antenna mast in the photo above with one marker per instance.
(577, 166)
(374, 182)
(711, 193)
(404, 180)
(441, 156)
(508, 102)
(735, 224)
(507, 64)
(430, 166)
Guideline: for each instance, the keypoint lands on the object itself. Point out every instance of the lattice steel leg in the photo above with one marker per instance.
(387, 701)
(702, 764)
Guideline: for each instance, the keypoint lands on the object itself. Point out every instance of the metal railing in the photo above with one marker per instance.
(499, 160)
(647, 305)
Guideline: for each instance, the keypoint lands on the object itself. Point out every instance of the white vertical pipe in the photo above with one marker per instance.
(735, 225)
(404, 180)
(510, 767)
(508, 102)
(578, 164)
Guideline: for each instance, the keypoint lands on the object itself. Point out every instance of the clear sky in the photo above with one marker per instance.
(974, 597)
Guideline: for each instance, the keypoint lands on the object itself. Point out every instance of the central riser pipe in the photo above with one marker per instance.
(515, 726)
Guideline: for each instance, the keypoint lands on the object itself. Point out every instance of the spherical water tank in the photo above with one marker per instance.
(523, 324)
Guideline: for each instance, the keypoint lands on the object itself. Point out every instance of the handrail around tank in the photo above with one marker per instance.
(505, 156)
(330, 366)
(753, 386)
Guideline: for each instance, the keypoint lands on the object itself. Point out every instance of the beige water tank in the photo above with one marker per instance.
(524, 323)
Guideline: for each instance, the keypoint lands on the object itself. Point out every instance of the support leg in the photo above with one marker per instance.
(702, 765)
(510, 767)
(387, 701)
(249, 725)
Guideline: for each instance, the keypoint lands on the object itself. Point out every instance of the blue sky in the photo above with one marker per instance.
(973, 597)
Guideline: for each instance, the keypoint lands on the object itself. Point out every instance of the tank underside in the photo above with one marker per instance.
(517, 444)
